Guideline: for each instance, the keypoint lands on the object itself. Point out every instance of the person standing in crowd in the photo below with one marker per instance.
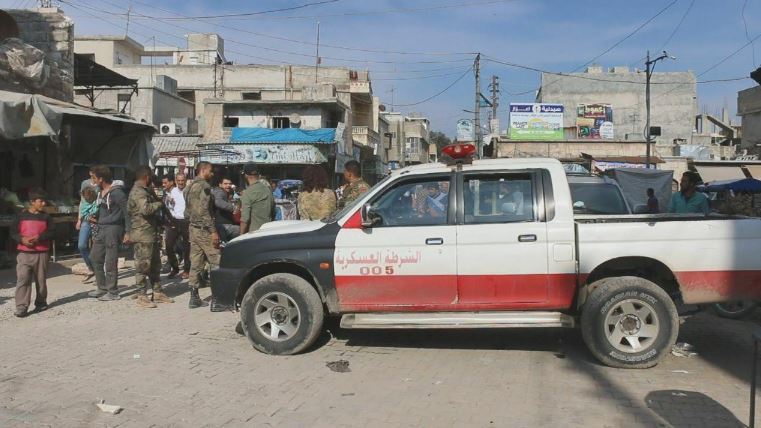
(145, 216)
(277, 192)
(174, 200)
(88, 208)
(355, 186)
(204, 239)
(653, 206)
(315, 200)
(688, 200)
(85, 231)
(225, 210)
(257, 202)
(32, 229)
(113, 227)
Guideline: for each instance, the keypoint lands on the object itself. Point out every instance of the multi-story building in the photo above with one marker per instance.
(409, 138)
(673, 101)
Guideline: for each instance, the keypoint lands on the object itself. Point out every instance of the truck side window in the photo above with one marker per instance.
(498, 198)
(414, 203)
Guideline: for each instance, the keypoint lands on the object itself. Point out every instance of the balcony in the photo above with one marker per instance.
(365, 136)
(359, 87)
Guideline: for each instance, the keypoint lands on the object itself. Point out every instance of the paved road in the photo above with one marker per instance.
(171, 366)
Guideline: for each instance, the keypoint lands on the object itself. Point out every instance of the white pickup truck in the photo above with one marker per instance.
(487, 244)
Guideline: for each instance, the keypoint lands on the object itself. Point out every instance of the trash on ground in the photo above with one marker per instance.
(136, 356)
(340, 366)
(682, 349)
(680, 371)
(108, 408)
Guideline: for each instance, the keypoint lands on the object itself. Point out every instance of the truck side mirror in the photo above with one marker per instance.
(369, 218)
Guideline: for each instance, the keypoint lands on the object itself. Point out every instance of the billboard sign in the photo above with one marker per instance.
(594, 121)
(535, 121)
(465, 130)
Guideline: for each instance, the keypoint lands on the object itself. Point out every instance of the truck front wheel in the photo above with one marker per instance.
(281, 314)
(629, 322)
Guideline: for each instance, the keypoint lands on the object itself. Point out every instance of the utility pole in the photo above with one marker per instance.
(126, 30)
(649, 68)
(317, 54)
(494, 86)
(477, 110)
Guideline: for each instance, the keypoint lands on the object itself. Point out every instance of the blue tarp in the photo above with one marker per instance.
(744, 185)
(287, 135)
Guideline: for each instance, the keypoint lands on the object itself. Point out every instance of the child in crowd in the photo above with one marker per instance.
(87, 208)
(33, 230)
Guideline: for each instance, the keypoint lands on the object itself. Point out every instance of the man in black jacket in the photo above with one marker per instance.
(111, 228)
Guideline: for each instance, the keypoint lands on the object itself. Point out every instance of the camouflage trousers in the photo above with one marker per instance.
(201, 251)
(147, 265)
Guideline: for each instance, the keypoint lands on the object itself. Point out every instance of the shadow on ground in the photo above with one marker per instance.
(674, 406)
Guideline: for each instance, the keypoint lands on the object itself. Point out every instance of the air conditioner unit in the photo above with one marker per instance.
(169, 129)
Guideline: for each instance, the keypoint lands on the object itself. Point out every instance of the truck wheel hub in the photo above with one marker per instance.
(630, 324)
(279, 315)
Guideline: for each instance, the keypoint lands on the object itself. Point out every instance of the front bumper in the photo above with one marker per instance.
(224, 288)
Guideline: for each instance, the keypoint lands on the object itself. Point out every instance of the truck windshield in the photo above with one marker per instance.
(594, 198)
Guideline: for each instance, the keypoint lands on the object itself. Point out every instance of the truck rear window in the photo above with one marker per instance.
(594, 198)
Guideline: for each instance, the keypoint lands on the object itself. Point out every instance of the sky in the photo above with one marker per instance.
(415, 49)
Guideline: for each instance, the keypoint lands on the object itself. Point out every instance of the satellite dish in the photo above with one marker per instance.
(294, 118)
(382, 107)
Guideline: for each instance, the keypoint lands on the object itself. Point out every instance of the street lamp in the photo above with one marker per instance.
(649, 68)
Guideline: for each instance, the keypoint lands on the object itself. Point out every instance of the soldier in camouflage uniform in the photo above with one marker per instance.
(355, 186)
(144, 209)
(204, 240)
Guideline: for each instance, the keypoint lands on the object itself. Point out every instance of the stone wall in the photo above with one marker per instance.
(50, 31)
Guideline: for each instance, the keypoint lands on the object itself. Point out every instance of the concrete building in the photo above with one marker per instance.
(673, 101)
(150, 104)
(44, 37)
(749, 110)
(201, 78)
(409, 138)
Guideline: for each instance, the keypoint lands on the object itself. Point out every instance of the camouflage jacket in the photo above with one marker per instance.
(316, 205)
(144, 209)
(353, 191)
(199, 205)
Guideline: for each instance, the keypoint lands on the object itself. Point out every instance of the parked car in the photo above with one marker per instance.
(502, 249)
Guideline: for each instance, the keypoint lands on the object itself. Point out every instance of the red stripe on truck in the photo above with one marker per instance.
(453, 293)
(716, 286)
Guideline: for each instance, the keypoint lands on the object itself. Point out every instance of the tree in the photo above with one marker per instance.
(439, 139)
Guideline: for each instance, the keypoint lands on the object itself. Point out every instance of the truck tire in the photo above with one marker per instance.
(736, 310)
(629, 322)
(281, 314)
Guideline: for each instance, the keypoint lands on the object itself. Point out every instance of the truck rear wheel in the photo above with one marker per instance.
(629, 322)
(281, 314)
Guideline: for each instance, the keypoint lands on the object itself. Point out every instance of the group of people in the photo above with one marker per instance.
(193, 216)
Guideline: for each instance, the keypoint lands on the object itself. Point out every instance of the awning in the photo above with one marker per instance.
(299, 154)
(754, 170)
(283, 136)
(89, 73)
(30, 115)
(181, 145)
(709, 173)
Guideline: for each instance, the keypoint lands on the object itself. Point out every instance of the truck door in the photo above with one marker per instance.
(501, 242)
(408, 259)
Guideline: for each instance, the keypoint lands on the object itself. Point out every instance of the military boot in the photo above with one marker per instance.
(160, 297)
(195, 299)
(144, 302)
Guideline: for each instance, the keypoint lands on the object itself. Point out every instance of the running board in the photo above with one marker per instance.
(457, 320)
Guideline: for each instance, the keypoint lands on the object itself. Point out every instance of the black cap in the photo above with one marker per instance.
(250, 169)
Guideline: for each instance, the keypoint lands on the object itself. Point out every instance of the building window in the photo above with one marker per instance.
(230, 122)
(251, 95)
(188, 95)
(123, 102)
(281, 122)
